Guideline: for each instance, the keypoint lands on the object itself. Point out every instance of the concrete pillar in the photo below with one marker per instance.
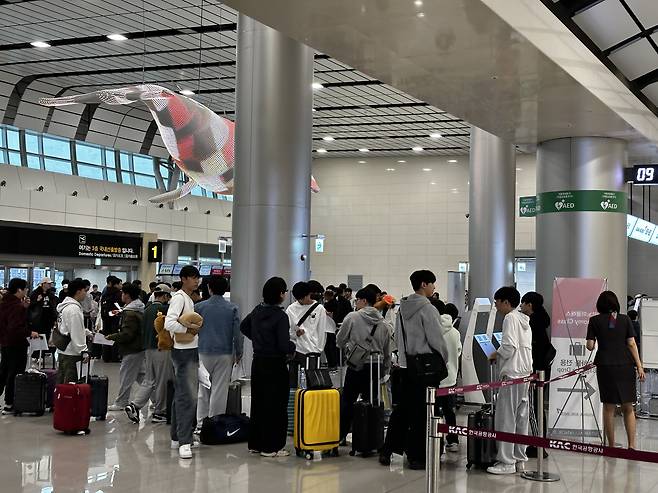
(169, 252)
(146, 271)
(491, 221)
(588, 243)
(271, 211)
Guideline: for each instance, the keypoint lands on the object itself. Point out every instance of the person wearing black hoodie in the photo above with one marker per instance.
(543, 352)
(268, 327)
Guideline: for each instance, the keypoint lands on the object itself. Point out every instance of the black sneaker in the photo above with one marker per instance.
(132, 412)
(158, 418)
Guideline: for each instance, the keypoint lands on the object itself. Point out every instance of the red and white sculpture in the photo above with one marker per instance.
(200, 142)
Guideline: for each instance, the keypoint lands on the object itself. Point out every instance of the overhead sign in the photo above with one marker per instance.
(645, 174)
(166, 269)
(575, 408)
(581, 201)
(630, 224)
(319, 245)
(643, 230)
(155, 251)
(222, 246)
(528, 206)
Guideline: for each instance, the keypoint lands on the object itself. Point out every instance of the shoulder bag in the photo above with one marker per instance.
(307, 314)
(428, 369)
(59, 340)
(359, 354)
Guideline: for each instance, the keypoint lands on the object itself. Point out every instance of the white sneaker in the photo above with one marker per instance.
(175, 444)
(116, 407)
(501, 468)
(520, 466)
(280, 453)
(185, 452)
(452, 447)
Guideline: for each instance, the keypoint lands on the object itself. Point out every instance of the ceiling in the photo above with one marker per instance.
(163, 46)
(623, 34)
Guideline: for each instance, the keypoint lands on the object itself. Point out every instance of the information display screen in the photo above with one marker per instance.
(205, 270)
(166, 269)
(645, 174)
(485, 344)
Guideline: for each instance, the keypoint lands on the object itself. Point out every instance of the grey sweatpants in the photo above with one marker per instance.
(512, 416)
(213, 401)
(129, 372)
(159, 370)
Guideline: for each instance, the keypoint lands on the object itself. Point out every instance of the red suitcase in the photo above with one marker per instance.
(72, 403)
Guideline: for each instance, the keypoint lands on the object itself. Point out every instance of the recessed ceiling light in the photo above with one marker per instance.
(362, 162)
(420, 14)
(328, 138)
(364, 149)
(417, 149)
(321, 151)
(418, 3)
(432, 183)
(519, 169)
(317, 85)
(401, 161)
(427, 169)
(187, 92)
(390, 169)
(117, 37)
(452, 160)
(435, 135)
(40, 44)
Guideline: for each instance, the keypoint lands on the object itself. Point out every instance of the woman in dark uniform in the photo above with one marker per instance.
(617, 361)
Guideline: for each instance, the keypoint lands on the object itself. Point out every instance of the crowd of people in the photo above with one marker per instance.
(164, 335)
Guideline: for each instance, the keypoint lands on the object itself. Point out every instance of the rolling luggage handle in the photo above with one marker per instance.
(81, 378)
(377, 383)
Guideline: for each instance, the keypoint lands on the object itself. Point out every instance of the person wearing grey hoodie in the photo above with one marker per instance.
(418, 331)
(367, 328)
(130, 342)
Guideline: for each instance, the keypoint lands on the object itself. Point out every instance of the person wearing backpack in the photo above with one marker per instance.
(367, 329)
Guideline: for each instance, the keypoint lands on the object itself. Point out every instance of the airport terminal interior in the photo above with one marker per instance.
(400, 153)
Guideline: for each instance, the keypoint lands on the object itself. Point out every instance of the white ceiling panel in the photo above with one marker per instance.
(636, 59)
(607, 23)
(651, 91)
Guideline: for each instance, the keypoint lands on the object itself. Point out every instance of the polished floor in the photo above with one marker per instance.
(119, 456)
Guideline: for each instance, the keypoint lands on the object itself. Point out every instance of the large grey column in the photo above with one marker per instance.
(581, 244)
(169, 252)
(491, 221)
(271, 212)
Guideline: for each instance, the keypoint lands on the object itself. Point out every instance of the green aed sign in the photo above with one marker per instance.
(528, 206)
(581, 201)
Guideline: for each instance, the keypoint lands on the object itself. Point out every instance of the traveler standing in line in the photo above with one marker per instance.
(14, 332)
(185, 358)
(220, 346)
(109, 301)
(64, 292)
(449, 402)
(311, 336)
(268, 327)
(330, 349)
(130, 343)
(543, 352)
(343, 307)
(514, 358)
(87, 304)
(157, 363)
(142, 294)
(367, 328)
(417, 331)
(633, 315)
(617, 361)
(71, 322)
(95, 293)
(42, 311)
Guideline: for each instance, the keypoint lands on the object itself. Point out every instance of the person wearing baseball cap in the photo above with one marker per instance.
(42, 313)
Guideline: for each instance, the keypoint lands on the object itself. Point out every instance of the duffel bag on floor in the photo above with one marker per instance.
(224, 429)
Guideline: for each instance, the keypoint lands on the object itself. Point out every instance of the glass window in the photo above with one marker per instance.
(32, 143)
(109, 158)
(127, 178)
(87, 171)
(145, 181)
(3, 159)
(13, 142)
(15, 158)
(56, 147)
(197, 191)
(57, 165)
(143, 164)
(2, 276)
(33, 161)
(17, 272)
(88, 154)
(2, 144)
(111, 175)
(125, 162)
(164, 171)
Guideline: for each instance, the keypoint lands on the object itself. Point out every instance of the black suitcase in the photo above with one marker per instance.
(234, 400)
(368, 421)
(30, 393)
(99, 390)
(481, 453)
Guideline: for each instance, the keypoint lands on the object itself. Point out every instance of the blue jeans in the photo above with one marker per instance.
(186, 388)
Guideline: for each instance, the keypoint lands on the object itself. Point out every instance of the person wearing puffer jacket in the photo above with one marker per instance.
(514, 358)
(70, 321)
(365, 327)
(448, 402)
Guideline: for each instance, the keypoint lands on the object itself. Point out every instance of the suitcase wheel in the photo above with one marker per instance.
(299, 452)
(308, 455)
(334, 452)
(469, 465)
(87, 431)
(352, 453)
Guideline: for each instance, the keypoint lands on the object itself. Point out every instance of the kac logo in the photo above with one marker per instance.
(559, 444)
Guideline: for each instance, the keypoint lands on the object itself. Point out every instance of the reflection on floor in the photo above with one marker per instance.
(119, 456)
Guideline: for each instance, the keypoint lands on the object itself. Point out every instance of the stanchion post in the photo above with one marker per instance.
(539, 474)
(432, 444)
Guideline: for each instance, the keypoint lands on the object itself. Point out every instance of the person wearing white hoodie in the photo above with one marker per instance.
(70, 321)
(447, 402)
(311, 335)
(514, 358)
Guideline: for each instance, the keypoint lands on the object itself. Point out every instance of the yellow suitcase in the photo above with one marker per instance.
(317, 422)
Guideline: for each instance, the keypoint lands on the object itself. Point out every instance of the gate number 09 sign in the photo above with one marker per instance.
(645, 174)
